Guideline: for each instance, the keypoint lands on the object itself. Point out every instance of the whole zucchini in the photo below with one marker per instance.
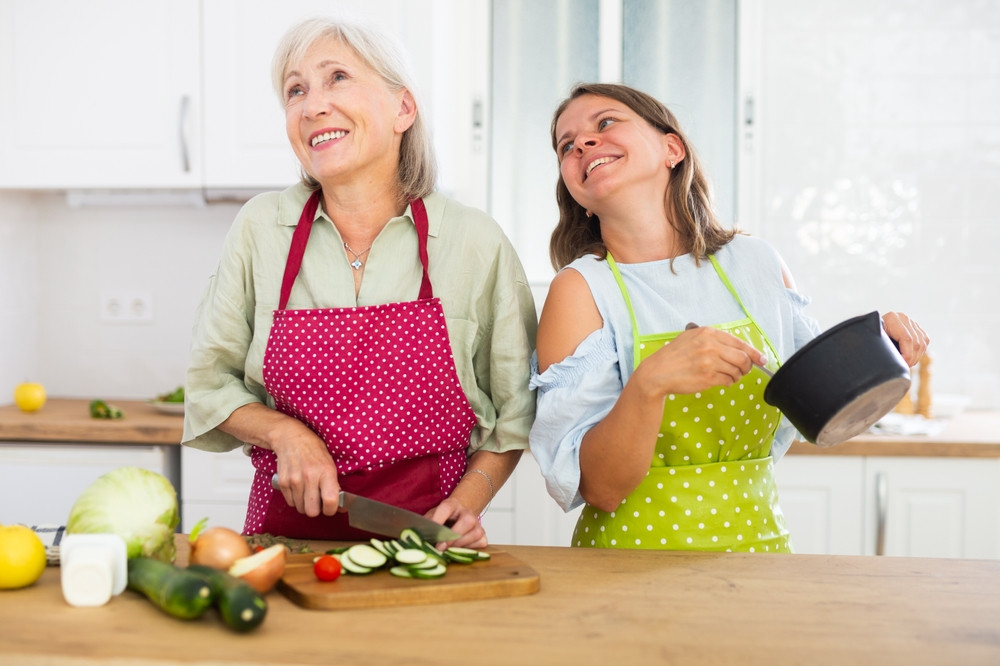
(173, 590)
(240, 606)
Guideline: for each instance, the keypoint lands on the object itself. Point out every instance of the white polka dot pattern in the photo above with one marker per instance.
(710, 485)
(377, 383)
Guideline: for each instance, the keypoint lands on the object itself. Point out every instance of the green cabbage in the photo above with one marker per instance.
(137, 504)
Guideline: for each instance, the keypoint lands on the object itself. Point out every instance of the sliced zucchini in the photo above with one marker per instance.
(381, 547)
(467, 552)
(411, 537)
(365, 555)
(429, 563)
(411, 556)
(401, 571)
(436, 571)
(351, 567)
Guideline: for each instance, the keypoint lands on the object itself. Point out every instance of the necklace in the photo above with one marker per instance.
(357, 263)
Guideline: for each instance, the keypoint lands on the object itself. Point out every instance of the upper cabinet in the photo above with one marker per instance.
(100, 94)
(177, 93)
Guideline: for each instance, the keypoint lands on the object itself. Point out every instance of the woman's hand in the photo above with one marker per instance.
(461, 519)
(698, 359)
(307, 476)
(909, 337)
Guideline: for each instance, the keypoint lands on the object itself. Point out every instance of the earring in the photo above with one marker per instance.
(672, 165)
(589, 214)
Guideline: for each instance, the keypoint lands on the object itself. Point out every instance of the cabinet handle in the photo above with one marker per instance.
(185, 157)
(881, 506)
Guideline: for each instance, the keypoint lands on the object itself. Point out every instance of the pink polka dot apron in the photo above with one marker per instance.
(710, 484)
(378, 384)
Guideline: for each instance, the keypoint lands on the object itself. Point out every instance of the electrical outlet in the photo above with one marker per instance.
(126, 307)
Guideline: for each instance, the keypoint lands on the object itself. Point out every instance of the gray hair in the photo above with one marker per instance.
(417, 172)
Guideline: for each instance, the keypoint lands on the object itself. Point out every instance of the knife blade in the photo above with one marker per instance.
(388, 520)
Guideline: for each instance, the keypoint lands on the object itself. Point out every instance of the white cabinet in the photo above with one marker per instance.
(215, 486)
(176, 94)
(40, 482)
(897, 506)
(100, 94)
(933, 507)
(822, 499)
(446, 43)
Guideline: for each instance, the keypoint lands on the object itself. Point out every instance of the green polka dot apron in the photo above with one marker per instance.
(710, 484)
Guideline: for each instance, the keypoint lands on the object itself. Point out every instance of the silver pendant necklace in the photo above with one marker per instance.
(357, 263)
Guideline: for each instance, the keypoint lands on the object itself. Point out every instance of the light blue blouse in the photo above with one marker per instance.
(577, 393)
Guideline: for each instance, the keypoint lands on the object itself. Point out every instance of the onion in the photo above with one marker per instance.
(218, 547)
(262, 569)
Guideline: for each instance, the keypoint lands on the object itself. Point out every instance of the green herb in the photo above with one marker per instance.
(102, 410)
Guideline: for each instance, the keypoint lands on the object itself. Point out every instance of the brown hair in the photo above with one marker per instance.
(417, 172)
(688, 198)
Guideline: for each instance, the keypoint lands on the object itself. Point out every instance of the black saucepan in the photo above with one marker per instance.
(841, 382)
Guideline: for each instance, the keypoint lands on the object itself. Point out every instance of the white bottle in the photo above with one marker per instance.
(94, 568)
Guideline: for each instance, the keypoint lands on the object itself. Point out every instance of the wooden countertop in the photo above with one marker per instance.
(69, 420)
(971, 434)
(594, 607)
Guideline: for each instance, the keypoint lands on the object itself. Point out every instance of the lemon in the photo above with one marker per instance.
(22, 557)
(29, 396)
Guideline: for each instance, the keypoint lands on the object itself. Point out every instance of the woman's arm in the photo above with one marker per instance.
(486, 472)
(307, 474)
(615, 454)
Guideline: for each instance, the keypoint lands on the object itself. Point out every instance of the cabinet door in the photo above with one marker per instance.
(446, 43)
(821, 497)
(215, 486)
(39, 483)
(933, 507)
(100, 94)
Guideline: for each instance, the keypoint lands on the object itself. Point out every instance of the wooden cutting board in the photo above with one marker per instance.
(503, 575)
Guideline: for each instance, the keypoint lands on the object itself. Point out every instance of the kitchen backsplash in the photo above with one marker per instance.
(56, 261)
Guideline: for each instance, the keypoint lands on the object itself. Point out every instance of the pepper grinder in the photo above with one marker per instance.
(924, 388)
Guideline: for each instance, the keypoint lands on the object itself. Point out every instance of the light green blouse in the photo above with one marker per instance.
(474, 270)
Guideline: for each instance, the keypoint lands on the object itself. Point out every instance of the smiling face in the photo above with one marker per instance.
(605, 148)
(343, 121)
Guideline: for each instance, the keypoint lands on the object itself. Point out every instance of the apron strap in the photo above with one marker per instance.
(420, 222)
(301, 237)
(628, 303)
(732, 290)
(631, 312)
(298, 248)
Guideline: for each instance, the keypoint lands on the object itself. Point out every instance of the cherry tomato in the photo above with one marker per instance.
(327, 567)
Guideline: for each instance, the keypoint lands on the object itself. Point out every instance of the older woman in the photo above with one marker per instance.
(363, 332)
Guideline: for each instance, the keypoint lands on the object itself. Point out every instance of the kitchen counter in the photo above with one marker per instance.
(971, 434)
(69, 420)
(594, 607)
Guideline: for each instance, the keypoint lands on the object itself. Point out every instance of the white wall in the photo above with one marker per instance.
(55, 263)
(19, 238)
(876, 163)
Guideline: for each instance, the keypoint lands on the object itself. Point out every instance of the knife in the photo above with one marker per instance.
(381, 518)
